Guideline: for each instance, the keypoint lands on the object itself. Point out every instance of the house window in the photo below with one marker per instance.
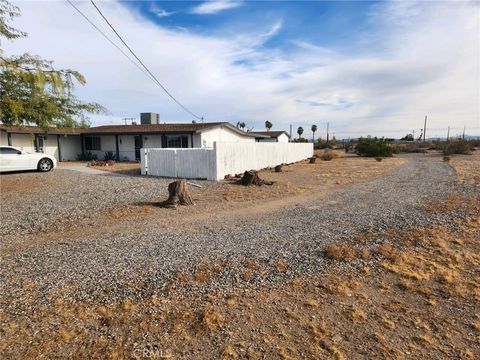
(92, 143)
(177, 141)
(39, 140)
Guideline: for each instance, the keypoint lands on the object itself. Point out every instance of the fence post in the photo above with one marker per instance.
(214, 168)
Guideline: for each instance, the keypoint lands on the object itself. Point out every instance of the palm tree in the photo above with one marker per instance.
(300, 132)
(314, 129)
(268, 125)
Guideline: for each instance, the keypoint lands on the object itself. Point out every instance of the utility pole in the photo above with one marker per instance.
(448, 134)
(328, 126)
(414, 140)
(424, 128)
(463, 135)
(290, 132)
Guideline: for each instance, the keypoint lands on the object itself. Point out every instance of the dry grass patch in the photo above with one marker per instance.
(339, 251)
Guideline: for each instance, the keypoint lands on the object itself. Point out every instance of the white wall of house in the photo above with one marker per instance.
(152, 141)
(70, 147)
(50, 145)
(23, 142)
(283, 138)
(219, 134)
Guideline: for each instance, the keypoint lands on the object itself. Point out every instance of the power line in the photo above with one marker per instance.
(144, 66)
(109, 40)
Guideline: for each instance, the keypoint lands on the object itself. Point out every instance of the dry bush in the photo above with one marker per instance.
(281, 266)
(328, 154)
(338, 251)
(389, 252)
(211, 318)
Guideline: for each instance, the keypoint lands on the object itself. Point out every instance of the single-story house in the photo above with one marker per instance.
(124, 141)
(271, 136)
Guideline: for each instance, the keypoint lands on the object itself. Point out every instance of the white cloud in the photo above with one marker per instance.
(163, 13)
(215, 6)
(429, 68)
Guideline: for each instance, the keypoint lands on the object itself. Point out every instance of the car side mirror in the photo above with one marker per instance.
(19, 153)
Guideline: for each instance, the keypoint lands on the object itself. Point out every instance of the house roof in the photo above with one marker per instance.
(39, 130)
(128, 129)
(149, 128)
(269, 133)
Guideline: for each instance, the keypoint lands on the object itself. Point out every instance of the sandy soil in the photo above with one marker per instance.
(467, 167)
(397, 295)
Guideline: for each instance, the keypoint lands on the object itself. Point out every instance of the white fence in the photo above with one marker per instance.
(224, 158)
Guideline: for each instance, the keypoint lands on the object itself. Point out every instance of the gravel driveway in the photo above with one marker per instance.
(150, 257)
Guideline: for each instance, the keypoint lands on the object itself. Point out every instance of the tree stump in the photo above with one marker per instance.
(278, 168)
(313, 159)
(251, 178)
(178, 194)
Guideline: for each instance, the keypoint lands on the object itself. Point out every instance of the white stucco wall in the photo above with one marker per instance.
(50, 145)
(70, 147)
(220, 134)
(283, 138)
(23, 142)
(152, 141)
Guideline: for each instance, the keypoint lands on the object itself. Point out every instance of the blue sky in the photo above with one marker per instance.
(365, 67)
(336, 24)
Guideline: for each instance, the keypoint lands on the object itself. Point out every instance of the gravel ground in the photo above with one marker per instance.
(150, 257)
(66, 196)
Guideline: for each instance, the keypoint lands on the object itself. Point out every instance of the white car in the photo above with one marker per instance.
(13, 159)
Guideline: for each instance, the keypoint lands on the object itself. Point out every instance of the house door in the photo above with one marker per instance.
(138, 146)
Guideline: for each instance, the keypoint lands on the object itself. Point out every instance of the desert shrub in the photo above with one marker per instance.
(86, 156)
(446, 158)
(108, 156)
(378, 159)
(373, 147)
(326, 156)
(458, 147)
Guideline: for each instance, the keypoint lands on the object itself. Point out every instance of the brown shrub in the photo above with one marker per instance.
(340, 252)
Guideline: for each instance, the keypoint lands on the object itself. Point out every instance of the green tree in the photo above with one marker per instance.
(300, 132)
(32, 91)
(314, 129)
(408, 137)
(268, 125)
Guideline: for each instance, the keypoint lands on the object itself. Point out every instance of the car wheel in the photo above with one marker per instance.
(45, 165)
